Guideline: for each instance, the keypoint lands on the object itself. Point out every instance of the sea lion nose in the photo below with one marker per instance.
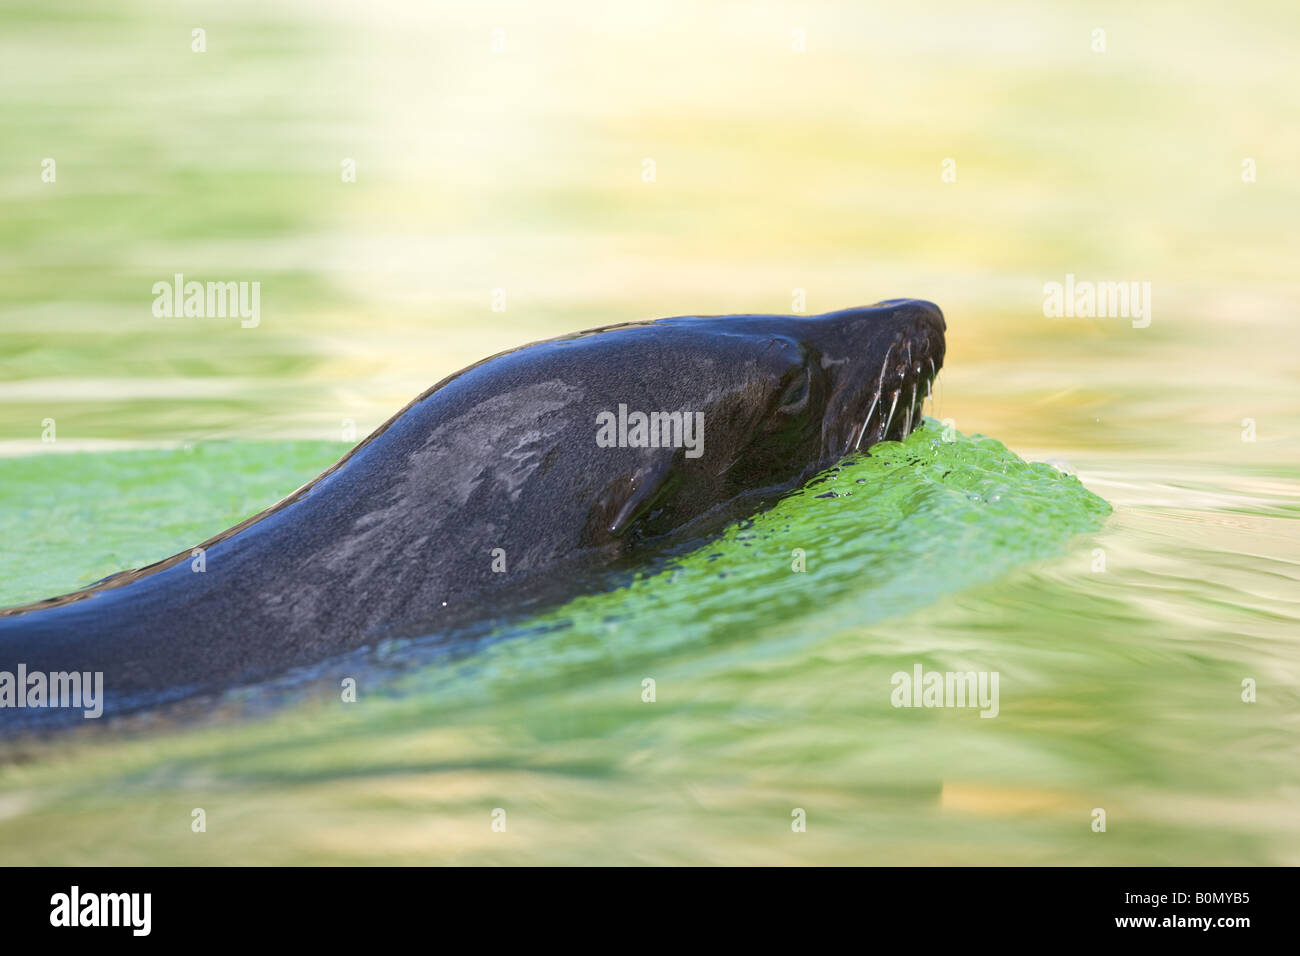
(933, 313)
(917, 308)
(892, 316)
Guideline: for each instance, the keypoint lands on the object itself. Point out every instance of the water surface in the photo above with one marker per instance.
(1122, 641)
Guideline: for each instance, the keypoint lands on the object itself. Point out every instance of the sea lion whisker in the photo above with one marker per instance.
(875, 400)
(884, 426)
(884, 367)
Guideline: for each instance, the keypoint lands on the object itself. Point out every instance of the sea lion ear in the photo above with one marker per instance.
(632, 496)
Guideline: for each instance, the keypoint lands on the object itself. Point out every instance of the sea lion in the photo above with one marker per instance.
(505, 485)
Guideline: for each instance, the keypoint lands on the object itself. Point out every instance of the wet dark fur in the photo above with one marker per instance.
(397, 539)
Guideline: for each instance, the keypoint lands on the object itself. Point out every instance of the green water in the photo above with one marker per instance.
(784, 598)
(1121, 641)
(772, 691)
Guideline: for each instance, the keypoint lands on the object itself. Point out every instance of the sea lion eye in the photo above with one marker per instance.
(796, 393)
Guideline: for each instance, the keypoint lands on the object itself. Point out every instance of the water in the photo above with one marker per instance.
(772, 691)
(1122, 641)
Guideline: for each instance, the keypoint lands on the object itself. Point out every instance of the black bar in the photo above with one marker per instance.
(971, 906)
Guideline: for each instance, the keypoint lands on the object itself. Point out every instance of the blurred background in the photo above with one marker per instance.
(525, 170)
(522, 170)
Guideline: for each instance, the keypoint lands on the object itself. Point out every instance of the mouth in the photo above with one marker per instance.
(900, 388)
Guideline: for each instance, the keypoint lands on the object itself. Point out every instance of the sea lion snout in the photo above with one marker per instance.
(922, 310)
(882, 360)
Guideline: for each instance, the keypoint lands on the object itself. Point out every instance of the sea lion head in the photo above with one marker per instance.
(781, 398)
(831, 384)
(880, 361)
